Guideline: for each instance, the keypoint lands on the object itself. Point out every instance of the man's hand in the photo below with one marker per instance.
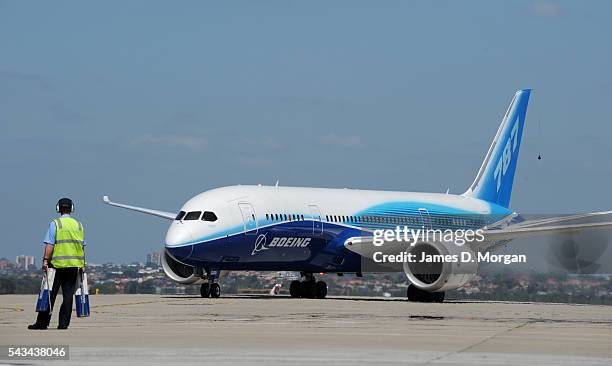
(48, 254)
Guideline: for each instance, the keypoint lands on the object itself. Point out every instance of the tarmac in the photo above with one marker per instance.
(265, 330)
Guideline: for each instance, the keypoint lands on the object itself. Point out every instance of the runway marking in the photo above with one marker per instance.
(161, 300)
(124, 304)
(482, 341)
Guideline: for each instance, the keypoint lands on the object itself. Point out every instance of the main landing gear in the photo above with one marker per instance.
(210, 288)
(308, 288)
(417, 295)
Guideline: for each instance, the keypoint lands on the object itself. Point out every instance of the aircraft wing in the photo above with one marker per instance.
(553, 225)
(165, 215)
(501, 233)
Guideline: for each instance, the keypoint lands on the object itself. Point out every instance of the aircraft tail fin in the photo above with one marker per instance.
(496, 175)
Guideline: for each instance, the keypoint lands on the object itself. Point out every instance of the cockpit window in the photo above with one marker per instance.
(209, 216)
(193, 215)
(180, 215)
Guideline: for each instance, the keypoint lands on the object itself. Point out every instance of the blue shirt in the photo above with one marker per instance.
(52, 232)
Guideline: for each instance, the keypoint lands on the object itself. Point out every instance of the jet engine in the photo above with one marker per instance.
(438, 276)
(180, 272)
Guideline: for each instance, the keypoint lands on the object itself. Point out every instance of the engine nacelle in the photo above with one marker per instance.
(180, 272)
(444, 275)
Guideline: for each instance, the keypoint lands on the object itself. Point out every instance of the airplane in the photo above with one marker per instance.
(323, 230)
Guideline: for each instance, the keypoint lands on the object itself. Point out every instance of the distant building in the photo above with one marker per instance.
(4, 263)
(154, 258)
(24, 261)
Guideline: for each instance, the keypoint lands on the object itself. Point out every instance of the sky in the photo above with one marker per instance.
(153, 102)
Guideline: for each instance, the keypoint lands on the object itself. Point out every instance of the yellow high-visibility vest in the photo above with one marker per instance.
(69, 238)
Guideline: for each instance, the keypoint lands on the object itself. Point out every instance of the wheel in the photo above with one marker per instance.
(321, 289)
(438, 296)
(413, 294)
(417, 295)
(215, 290)
(308, 289)
(294, 288)
(205, 290)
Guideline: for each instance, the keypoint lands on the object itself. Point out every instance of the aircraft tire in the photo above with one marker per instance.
(438, 296)
(205, 290)
(294, 289)
(215, 290)
(321, 289)
(308, 289)
(415, 294)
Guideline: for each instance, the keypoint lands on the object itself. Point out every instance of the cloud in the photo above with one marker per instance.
(183, 142)
(43, 82)
(255, 161)
(349, 141)
(545, 9)
(255, 144)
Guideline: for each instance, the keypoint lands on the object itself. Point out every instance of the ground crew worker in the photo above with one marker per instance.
(64, 251)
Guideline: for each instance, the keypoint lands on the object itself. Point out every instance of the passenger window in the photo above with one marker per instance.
(193, 215)
(180, 215)
(209, 216)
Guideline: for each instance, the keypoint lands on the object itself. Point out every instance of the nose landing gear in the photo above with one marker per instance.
(210, 288)
(308, 288)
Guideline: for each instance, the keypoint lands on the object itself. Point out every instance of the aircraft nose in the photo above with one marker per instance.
(177, 235)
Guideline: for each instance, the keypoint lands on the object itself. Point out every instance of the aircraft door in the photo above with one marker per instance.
(317, 220)
(425, 218)
(248, 218)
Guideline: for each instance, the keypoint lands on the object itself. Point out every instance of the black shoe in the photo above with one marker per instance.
(37, 327)
(62, 327)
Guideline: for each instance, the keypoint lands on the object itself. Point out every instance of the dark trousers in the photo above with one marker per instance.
(66, 279)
